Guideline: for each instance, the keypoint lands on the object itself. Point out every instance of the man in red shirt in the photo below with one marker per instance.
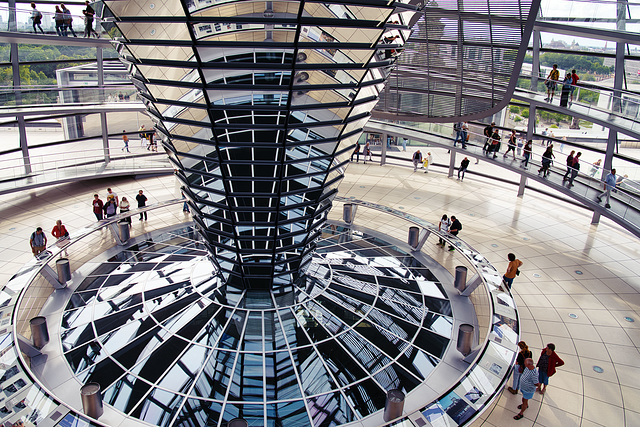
(547, 364)
(97, 207)
(574, 82)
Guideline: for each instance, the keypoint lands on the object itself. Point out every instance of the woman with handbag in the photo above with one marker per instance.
(524, 353)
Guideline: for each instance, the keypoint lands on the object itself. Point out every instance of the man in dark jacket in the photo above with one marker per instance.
(454, 229)
(488, 131)
(464, 164)
(547, 364)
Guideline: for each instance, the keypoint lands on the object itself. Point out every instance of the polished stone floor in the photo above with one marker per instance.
(578, 281)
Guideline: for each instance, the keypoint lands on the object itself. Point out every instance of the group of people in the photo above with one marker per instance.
(366, 152)
(449, 225)
(147, 137)
(38, 239)
(64, 20)
(425, 161)
(109, 208)
(568, 85)
(529, 377)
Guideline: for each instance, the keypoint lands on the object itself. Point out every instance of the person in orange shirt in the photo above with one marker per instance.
(512, 270)
(125, 139)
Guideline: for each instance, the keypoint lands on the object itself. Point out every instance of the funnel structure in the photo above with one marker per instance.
(259, 105)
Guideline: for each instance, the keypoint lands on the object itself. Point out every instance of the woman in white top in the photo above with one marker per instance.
(124, 207)
(443, 227)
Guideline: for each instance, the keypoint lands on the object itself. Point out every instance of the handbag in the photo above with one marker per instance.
(517, 272)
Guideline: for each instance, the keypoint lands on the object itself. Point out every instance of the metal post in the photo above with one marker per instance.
(460, 279)
(238, 422)
(394, 405)
(123, 227)
(535, 66)
(91, 400)
(39, 331)
(531, 125)
(383, 153)
(64, 270)
(349, 212)
(105, 137)
(523, 185)
(465, 339)
(595, 219)
(452, 163)
(12, 27)
(414, 235)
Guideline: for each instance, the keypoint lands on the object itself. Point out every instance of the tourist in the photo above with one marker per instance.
(610, 183)
(124, 208)
(547, 159)
(427, 161)
(574, 82)
(125, 139)
(457, 127)
(454, 229)
(575, 168)
(566, 90)
(527, 151)
(38, 241)
(89, 14)
(356, 152)
(61, 234)
(512, 270)
(569, 165)
(36, 19)
(511, 145)
(528, 383)
(110, 208)
(110, 192)
(464, 164)
(547, 364)
(97, 207)
(417, 159)
(595, 167)
(58, 16)
(523, 354)
(68, 20)
(443, 227)
(550, 82)
(142, 202)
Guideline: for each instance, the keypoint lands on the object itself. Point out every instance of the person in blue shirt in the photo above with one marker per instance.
(610, 184)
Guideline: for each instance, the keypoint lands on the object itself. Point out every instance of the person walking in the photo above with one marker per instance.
(574, 83)
(38, 242)
(97, 207)
(454, 229)
(547, 159)
(142, 202)
(111, 207)
(520, 145)
(569, 165)
(465, 134)
(550, 82)
(512, 270)
(526, 152)
(427, 161)
(529, 381)
(547, 364)
(523, 354)
(89, 14)
(544, 134)
(511, 145)
(356, 152)
(457, 127)
(125, 206)
(417, 159)
(404, 144)
(366, 151)
(68, 20)
(610, 183)
(142, 133)
(125, 139)
(443, 226)
(61, 234)
(464, 164)
(575, 168)
(495, 144)
(595, 167)
(110, 193)
(58, 16)
(36, 19)
(488, 132)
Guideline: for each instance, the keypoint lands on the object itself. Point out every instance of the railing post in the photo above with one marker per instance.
(452, 163)
(523, 185)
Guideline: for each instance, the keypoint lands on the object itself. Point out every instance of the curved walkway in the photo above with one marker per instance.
(584, 191)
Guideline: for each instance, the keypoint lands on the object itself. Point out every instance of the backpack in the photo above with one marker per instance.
(39, 15)
(457, 126)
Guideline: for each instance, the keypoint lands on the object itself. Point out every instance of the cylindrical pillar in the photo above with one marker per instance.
(238, 422)
(465, 339)
(460, 280)
(123, 226)
(91, 400)
(348, 213)
(414, 236)
(39, 331)
(64, 270)
(394, 404)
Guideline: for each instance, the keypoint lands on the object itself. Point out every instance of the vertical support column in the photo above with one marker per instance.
(383, 153)
(12, 27)
(105, 137)
(522, 186)
(535, 66)
(22, 128)
(618, 77)
(531, 125)
(452, 163)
